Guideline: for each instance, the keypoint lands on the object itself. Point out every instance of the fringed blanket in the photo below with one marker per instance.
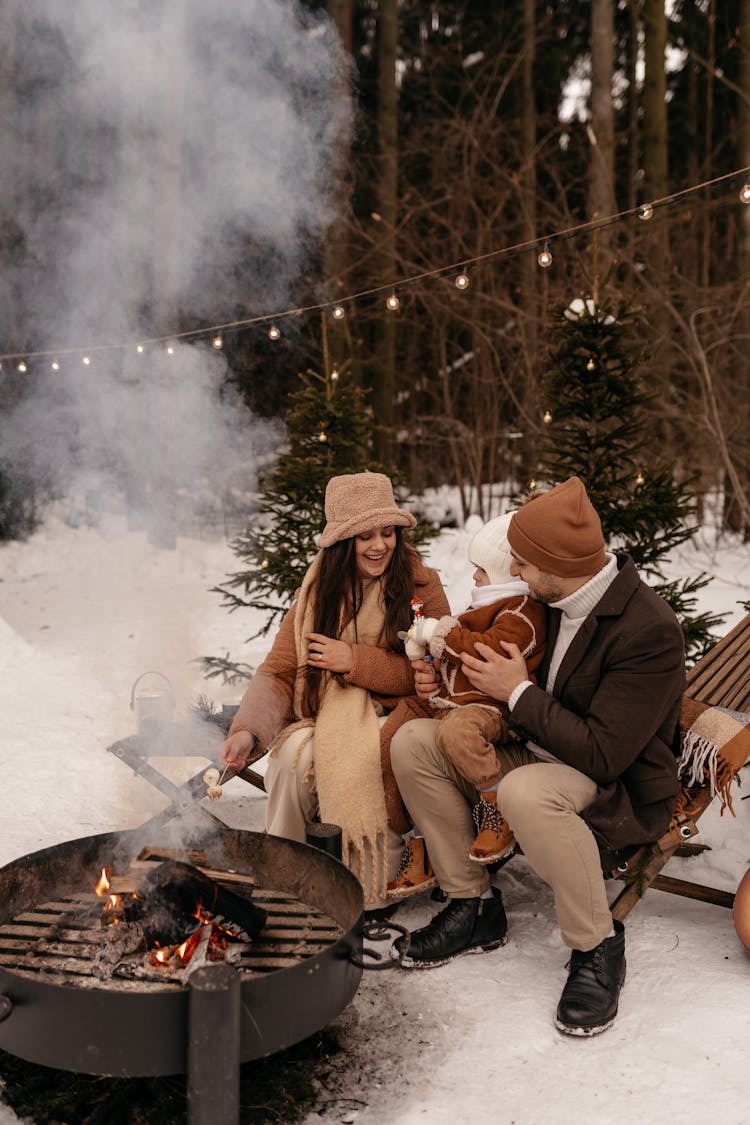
(715, 744)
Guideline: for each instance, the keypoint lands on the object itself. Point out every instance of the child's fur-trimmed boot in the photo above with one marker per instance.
(494, 838)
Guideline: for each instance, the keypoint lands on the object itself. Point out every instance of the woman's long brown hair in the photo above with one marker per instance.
(338, 596)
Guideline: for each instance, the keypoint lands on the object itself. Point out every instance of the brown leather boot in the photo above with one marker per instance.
(494, 838)
(415, 873)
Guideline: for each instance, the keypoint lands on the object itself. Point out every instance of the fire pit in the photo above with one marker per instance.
(58, 1009)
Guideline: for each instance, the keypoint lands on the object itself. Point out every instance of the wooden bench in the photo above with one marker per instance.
(722, 679)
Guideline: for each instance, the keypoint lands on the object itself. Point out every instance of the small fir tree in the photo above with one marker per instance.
(597, 427)
(330, 431)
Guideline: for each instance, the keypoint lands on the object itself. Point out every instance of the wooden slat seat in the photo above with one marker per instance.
(721, 678)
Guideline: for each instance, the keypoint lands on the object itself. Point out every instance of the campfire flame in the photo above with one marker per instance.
(210, 937)
(103, 885)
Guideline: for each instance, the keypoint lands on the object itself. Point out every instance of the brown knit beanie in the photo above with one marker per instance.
(559, 532)
(360, 502)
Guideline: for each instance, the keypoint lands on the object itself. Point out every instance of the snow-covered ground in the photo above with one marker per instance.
(84, 611)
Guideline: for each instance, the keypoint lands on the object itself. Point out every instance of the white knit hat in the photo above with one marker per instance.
(489, 549)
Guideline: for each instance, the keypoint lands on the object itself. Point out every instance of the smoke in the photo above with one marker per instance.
(165, 164)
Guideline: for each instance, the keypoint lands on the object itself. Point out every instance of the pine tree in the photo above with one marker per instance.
(330, 431)
(597, 427)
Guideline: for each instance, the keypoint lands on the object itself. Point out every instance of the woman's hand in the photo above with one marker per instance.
(329, 654)
(235, 750)
(425, 677)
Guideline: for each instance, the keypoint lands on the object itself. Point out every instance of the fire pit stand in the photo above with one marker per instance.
(300, 972)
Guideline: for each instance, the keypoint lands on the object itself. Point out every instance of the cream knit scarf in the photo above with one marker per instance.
(348, 773)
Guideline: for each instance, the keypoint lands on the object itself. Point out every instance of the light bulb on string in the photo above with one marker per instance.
(22, 367)
(745, 192)
(86, 361)
(392, 301)
(532, 485)
(55, 365)
(591, 364)
(462, 281)
(217, 343)
(545, 257)
(338, 312)
(322, 436)
(335, 375)
(640, 479)
(273, 332)
(547, 417)
(645, 212)
(139, 348)
(170, 349)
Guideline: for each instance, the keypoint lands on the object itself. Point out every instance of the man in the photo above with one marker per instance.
(595, 764)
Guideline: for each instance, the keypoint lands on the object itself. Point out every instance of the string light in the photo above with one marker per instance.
(86, 361)
(217, 343)
(547, 417)
(591, 364)
(55, 365)
(322, 436)
(640, 479)
(462, 281)
(338, 312)
(170, 349)
(21, 367)
(643, 212)
(335, 375)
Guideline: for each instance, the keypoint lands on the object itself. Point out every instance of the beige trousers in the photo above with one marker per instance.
(292, 806)
(540, 801)
(466, 735)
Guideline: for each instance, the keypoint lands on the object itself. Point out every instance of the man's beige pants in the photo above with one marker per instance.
(292, 805)
(540, 801)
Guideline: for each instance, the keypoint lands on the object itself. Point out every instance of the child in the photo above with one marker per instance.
(471, 722)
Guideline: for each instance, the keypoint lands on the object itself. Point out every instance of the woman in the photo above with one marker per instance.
(336, 667)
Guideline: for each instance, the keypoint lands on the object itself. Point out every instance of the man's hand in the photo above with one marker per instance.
(496, 675)
(425, 678)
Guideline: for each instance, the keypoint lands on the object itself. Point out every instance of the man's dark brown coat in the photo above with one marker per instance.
(614, 709)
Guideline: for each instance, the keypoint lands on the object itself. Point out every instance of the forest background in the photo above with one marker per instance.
(434, 142)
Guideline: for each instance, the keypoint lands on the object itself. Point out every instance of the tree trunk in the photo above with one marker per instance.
(634, 160)
(708, 138)
(387, 188)
(655, 187)
(733, 511)
(168, 191)
(337, 249)
(602, 135)
(528, 185)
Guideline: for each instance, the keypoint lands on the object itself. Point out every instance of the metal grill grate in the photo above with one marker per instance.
(62, 939)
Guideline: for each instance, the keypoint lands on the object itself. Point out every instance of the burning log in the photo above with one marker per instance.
(175, 888)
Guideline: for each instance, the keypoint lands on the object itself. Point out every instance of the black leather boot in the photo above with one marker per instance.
(465, 925)
(589, 1000)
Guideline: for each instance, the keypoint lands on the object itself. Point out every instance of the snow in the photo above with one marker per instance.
(85, 611)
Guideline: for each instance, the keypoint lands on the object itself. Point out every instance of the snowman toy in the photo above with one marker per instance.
(417, 638)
